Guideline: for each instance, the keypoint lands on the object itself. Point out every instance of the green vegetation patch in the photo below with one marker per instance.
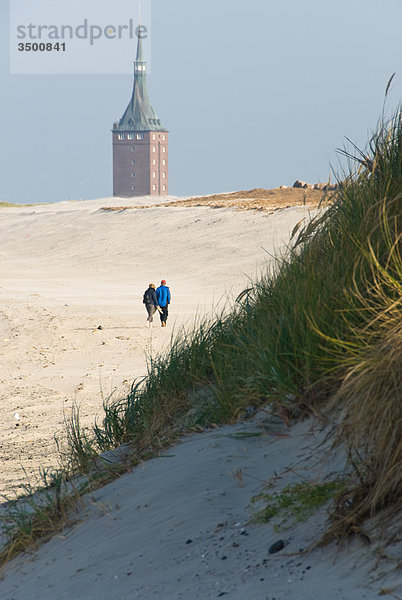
(295, 503)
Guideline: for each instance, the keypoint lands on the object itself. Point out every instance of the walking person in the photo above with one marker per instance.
(163, 297)
(151, 303)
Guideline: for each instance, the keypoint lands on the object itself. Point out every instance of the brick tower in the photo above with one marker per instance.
(140, 142)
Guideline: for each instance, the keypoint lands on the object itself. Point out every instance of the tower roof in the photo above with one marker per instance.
(139, 114)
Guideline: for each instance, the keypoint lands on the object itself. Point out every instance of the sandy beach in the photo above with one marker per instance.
(67, 269)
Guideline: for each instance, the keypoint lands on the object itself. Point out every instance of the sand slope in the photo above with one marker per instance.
(177, 528)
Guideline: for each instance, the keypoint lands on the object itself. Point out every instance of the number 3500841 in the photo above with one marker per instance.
(41, 47)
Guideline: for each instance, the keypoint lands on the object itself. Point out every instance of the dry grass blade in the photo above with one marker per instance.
(371, 393)
(389, 84)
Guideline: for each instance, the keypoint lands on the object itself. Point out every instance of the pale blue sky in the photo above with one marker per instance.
(254, 94)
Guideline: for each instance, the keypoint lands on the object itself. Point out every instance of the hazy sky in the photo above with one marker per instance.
(254, 94)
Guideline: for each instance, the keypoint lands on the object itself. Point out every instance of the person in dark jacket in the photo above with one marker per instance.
(163, 297)
(151, 303)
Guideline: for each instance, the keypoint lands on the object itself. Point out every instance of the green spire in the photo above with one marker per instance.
(139, 114)
(140, 51)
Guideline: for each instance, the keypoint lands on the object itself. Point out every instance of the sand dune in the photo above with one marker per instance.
(177, 526)
(68, 268)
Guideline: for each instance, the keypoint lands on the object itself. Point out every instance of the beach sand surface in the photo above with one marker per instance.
(179, 527)
(72, 322)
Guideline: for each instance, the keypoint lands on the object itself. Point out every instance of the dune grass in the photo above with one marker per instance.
(319, 332)
(45, 509)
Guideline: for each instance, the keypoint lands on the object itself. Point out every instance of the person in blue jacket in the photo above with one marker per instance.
(163, 298)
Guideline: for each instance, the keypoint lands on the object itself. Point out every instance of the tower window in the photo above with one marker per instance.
(163, 148)
(163, 136)
(121, 136)
(163, 175)
(154, 161)
(133, 162)
(153, 136)
(164, 188)
(154, 175)
(133, 174)
(130, 136)
(140, 136)
(154, 187)
(164, 162)
(133, 187)
(132, 148)
(153, 148)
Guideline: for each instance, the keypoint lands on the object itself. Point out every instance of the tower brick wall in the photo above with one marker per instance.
(140, 163)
